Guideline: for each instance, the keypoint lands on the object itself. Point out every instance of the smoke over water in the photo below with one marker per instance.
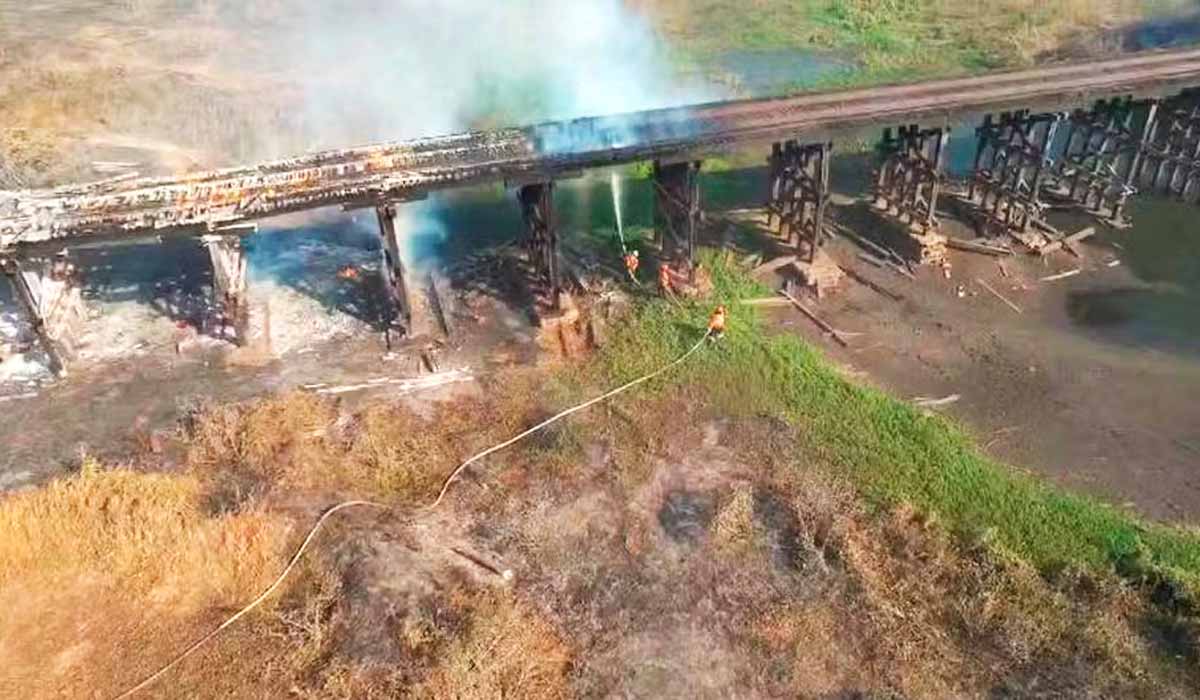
(375, 71)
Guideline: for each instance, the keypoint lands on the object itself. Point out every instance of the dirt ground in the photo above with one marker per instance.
(1093, 384)
(1095, 393)
(143, 364)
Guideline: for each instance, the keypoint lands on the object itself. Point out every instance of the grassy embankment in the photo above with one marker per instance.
(894, 40)
(895, 454)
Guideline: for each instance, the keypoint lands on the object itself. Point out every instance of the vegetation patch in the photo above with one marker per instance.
(893, 40)
(892, 452)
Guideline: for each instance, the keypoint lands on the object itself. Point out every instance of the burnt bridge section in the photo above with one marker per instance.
(1086, 135)
(376, 174)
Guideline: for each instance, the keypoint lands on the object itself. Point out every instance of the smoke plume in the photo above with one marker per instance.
(396, 69)
(383, 70)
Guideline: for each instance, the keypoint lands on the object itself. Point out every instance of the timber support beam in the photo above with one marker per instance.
(48, 291)
(398, 309)
(540, 239)
(1171, 152)
(907, 185)
(799, 194)
(1012, 161)
(677, 211)
(229, 301)
(910, 177)
(1102, 156)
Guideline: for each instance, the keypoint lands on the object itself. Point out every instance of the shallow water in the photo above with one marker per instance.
(1162, 250)
(760, 73)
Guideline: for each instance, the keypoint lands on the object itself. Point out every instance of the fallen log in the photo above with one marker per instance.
(871, 285)
(772, 265)
(815, 319)
(867, 257)
(998, 295)
(1068, 241)
(865, 242)
(976, 247)
(924, 402)
(765, 301)
(1062, 275)
(404, 384)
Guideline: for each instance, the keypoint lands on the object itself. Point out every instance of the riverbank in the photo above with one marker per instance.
(883, 41)
(790, 531)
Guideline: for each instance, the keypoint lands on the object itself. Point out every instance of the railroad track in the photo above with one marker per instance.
(405, 170)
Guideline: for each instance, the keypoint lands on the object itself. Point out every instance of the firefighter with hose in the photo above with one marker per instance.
(666, 281)
(631, 264)
(716, 323)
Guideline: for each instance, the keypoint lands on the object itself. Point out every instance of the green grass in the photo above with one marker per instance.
(890, 451)
(891, 40)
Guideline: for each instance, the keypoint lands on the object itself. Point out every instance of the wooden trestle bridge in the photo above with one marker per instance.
(1089, 134)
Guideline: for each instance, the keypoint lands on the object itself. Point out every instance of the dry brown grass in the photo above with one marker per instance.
(885, 603)
(507, 651)
(109, 560)
(303, 441)
(733, 526)
(148, 530)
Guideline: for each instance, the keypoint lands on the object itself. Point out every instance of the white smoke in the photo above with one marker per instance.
(378, 70)
(392, 69)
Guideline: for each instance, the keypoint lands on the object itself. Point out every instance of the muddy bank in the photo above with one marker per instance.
(1094, 384)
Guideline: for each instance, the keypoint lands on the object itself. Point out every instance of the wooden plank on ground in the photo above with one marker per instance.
(815, 319)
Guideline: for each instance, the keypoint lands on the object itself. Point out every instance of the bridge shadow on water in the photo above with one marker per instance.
(173, 278)
(332, 260)
(1159, 310)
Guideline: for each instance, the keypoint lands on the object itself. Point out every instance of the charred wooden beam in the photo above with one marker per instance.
(1012, 160)
(1171, 151)
(910, 175)
(1102, 156)
(232, 308)
(677, 210)
(398, 310)
(541, 235)
(48, 292)
(381, 173)
(799, 194)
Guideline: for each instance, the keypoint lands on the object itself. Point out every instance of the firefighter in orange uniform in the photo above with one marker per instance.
(716, 322)
(665, 284)
(631, 264)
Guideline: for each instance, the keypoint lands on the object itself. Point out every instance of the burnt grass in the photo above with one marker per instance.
(664, 545)
(750, 525)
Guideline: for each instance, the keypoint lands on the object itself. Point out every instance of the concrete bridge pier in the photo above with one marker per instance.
(907, 185)
(49, 293)
(541, 236)
(229, 286)
(677, 210)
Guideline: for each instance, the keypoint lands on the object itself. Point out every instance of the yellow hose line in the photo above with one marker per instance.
(454, 475)
(254, 603)
(312, 533)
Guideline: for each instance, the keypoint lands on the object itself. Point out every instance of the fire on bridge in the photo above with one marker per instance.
(1089, 135)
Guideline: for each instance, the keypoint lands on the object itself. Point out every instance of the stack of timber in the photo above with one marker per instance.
(821, 275)
(921, 247)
